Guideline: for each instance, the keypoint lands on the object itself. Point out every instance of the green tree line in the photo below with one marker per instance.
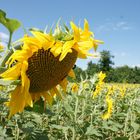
(122, 74)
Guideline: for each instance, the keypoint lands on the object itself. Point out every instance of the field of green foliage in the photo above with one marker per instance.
(78, 116)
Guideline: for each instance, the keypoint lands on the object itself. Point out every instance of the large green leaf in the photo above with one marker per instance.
(10, 24)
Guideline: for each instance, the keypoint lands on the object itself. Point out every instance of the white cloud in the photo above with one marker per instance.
(121, 54)
(115, 26)
(3, 37)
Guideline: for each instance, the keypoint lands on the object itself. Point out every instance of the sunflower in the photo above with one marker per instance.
(44, 62)
(1, 48)
(75, 88)
(108, 114)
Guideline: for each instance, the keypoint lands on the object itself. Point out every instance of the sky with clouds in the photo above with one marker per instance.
(116, 22)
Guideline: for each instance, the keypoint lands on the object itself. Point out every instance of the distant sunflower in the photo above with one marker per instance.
(1, 48)
(44, 62)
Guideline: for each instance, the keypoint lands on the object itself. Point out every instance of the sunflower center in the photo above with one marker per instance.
(46, 71)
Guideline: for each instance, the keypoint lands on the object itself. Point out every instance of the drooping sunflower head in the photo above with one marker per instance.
(44, 62)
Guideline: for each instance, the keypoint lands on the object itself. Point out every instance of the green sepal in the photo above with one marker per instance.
(66, 28)
(35, 29)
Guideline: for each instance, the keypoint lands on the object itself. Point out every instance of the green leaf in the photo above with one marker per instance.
(135, 126)
(60, 127)
(2, 100)
(92, 131)
(68, 108)
(114, 128)
(10, 24)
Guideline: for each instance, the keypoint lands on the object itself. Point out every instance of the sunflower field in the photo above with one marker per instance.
(40, 98)
(78, 116)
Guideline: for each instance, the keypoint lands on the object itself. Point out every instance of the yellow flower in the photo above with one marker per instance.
(109, 109)
(110, 90)
(101, 77)
(1, 48)
(43, 63)
(122, 91)
(75, 87)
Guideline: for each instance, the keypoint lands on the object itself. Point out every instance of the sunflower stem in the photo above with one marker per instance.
(73, 132)
(76, 110)
(9, 42)
(16, 131)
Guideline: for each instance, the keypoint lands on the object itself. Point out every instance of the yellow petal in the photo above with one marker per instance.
(75, 31)
(17, 101)
(23, 73)
(64, 84)
(85, 45)
(28, 97)
(71, 73)
(48, 97)
(32, 41)
(96, 43)
(81, 53)
(56, 49)
(86, 34)
(66, 49)
(13, 72)
(54, 92)
(86, 26)
(43, 38)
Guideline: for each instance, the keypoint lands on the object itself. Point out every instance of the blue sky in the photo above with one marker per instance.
(116, 22)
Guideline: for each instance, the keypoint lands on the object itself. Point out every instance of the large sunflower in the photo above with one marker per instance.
(44, 61)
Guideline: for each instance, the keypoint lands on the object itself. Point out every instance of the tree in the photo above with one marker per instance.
(137, 74)
(92, 68)
(79, 73)
(105, 62)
